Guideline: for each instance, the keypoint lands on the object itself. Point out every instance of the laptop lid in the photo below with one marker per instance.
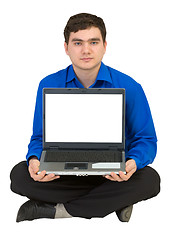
(80, 118)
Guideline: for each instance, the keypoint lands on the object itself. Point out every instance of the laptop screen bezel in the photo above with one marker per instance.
(84, 145)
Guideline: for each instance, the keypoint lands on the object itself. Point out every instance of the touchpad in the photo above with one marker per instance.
(76, 165)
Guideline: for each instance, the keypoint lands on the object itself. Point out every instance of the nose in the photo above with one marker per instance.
(86, 48)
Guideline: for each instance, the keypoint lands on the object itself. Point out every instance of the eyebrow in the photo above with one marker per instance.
(89, 40)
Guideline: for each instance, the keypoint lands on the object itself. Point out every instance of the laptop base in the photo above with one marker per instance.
(82, 168)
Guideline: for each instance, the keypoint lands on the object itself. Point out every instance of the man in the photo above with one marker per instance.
(93, 196)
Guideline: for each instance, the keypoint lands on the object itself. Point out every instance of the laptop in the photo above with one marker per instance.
(83, 131)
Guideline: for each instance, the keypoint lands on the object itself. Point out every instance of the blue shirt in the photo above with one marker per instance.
(141, 140)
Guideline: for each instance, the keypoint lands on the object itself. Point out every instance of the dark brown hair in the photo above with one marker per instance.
(83, 21)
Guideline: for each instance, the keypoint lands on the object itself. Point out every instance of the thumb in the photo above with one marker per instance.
(35, 165)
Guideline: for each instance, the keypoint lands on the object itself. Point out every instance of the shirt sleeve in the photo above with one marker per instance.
(141, 140)
(35, 145)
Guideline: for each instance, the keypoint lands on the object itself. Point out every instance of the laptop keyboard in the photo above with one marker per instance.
(83, 156)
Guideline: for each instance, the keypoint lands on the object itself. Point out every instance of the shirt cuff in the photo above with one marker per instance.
(33, 156)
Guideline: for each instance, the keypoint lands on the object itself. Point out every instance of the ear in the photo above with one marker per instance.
(66, 47)
(105, 45)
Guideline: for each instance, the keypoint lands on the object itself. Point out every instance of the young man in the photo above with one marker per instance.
(93, 196)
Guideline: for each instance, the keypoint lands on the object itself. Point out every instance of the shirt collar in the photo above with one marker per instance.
(71, 74)
(103, 74)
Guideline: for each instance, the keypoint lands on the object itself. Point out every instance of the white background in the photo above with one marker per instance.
(31, 47)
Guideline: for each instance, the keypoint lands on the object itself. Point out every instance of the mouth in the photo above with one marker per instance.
(86, 59)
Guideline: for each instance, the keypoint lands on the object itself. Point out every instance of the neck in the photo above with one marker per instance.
(87, 77)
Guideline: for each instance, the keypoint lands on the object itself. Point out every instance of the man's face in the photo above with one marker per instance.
(86, 48)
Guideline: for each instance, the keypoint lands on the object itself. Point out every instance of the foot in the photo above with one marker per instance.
(61, 212)
(124, 214)
(34, 210)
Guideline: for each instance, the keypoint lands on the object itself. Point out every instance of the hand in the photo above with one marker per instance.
(41, 177)
(130, 168)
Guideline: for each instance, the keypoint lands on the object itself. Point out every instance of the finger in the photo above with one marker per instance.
(116, 177)
(109, 177)
(123, 176)
(49, 177)
(127, 176)
(40, 176)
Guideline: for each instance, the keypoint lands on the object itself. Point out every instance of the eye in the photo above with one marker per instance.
(77, 44)
(94, 43)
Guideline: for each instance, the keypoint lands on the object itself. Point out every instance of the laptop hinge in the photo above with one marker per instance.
(107, 148)
(115, 148)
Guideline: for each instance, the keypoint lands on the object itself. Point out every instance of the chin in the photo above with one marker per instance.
(88, 66)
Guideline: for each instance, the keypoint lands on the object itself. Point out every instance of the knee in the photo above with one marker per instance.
(16, 176)
(153, 181)
(18, 170)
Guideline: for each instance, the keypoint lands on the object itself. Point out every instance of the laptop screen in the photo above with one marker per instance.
(89, 118)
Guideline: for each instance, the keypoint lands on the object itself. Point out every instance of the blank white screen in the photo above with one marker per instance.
(83, 118)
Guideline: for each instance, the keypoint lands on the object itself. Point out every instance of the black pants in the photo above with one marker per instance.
(92, 196)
